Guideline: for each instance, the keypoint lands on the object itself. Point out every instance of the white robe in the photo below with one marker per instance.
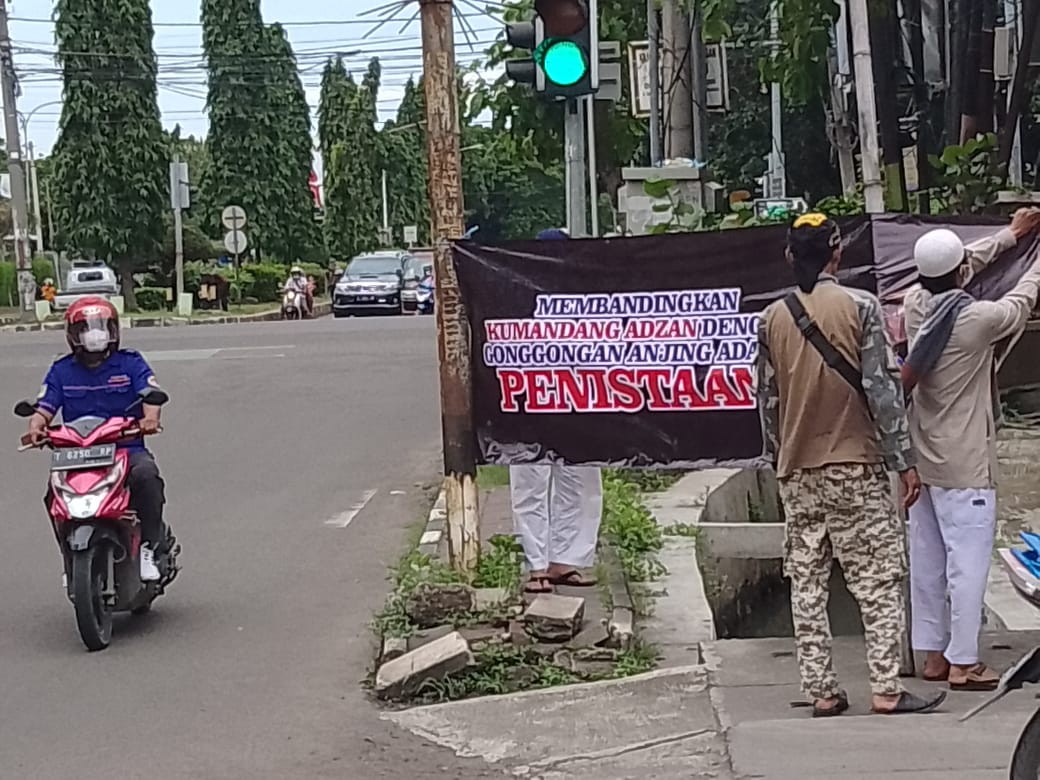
(556, 513)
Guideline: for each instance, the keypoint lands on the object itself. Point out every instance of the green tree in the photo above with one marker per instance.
(110, 169)
(242, 142)
(403, 146)
(351, 152)
(294, 236)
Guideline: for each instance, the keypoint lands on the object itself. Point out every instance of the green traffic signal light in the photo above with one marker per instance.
(563, 61)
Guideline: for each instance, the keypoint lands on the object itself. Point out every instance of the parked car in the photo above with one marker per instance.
(418, 266)
(87, 277)
(371, 283)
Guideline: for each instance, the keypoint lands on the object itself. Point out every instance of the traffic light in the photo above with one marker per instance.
(563, 39)
(525, 35)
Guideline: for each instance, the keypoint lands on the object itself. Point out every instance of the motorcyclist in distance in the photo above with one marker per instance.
(297, 282)
(98, 379)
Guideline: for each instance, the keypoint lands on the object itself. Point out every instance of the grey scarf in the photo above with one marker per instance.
(943, 310)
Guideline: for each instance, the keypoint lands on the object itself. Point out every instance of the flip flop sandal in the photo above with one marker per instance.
(911, 704)
(840, 705)
(573, 579)
(976, 681)
(539, 585)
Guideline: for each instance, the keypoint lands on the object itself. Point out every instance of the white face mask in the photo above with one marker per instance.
(95, 340)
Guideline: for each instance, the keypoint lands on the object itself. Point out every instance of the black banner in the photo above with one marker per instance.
(640, 351)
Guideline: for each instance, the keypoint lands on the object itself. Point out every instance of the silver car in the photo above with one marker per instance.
(371, 283)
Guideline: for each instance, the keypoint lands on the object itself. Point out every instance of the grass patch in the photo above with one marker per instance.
(651, 481)
(490, 477)
(682, 529)
(630, 528)
(637, 659)
(501, 565)
(413, 570)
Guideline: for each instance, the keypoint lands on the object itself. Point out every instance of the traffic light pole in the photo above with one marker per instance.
(574, 152)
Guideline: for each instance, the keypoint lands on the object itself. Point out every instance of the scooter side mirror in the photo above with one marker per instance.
(153, 396)
(24, 409)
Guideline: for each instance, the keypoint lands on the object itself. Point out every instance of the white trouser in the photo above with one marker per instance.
(556, 513)
(951, 546)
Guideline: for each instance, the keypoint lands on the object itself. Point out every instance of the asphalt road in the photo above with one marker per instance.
(298, 456)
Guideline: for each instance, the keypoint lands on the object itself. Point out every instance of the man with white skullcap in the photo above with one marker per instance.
(954, 413)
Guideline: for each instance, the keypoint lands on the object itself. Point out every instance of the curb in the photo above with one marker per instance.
(320, 310)
(436, 526)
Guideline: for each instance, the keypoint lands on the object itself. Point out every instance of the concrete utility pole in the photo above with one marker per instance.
(574, 155)
(699, 86)
(873, 187)
(677, 76)
(19, 203)
(777, 176)
(653, 37)
(590, 126)
(446, 218)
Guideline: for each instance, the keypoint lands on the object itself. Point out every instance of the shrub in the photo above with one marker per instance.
(268, 279)
(8, 285)
(43, 268)
(151, 298)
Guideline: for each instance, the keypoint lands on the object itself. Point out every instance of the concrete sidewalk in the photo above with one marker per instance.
(738, 716)
(756, 684)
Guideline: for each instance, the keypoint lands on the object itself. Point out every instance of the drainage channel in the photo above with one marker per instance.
(750, 599)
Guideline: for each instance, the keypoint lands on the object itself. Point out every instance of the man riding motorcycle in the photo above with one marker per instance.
(98, 379)
(297, 282)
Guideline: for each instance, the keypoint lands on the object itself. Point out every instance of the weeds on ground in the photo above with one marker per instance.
(682, 529)
(499, 669)
(630, 528)
(489, 477)
(413, 570)
(501, 565)
(650, 481)
(637, 659)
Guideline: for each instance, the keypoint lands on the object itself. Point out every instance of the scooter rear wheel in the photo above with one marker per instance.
(1025, 762)
(93, 616)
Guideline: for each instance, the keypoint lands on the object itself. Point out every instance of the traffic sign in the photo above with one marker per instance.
(233, 217)
(235, 242)
(411, 234)
(639, 77)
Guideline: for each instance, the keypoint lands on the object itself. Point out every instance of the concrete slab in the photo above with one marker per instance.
(585, 730)
(762, 541)
(911, 746)
(681, 617)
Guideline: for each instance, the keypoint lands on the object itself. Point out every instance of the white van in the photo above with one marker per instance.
(87, 277)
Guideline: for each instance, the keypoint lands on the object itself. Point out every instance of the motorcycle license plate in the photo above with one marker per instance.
(73, 459)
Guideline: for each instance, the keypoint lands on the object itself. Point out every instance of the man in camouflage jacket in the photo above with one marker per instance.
(832, 433)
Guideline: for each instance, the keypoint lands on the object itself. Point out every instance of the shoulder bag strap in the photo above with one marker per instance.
(831, 356)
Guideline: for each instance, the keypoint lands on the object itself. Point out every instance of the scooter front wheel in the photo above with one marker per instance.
(1025, 762)
(93, 616)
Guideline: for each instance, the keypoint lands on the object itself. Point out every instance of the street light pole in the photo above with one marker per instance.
(19, 206)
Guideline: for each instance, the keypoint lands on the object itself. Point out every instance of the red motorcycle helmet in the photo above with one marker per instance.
(92, 326)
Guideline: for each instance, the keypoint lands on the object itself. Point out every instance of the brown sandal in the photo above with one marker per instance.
(573, 579)
(979, 678)
(539, 584)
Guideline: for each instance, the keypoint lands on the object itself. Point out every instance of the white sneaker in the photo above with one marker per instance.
(149, 571)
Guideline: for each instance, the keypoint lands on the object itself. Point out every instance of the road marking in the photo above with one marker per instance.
(163, 355)
(343, 519)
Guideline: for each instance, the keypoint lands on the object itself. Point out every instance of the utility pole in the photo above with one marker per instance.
(873, 187)
(19, 204)
(34, 185)
(453, 344)
(699, 86)
(180, 199)
(677, 74)
(590, 126)
(653, 36)
(574, 155)
(776, 179)
(386, 212)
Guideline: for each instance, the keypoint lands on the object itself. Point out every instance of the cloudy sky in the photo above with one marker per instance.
(317, 30)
